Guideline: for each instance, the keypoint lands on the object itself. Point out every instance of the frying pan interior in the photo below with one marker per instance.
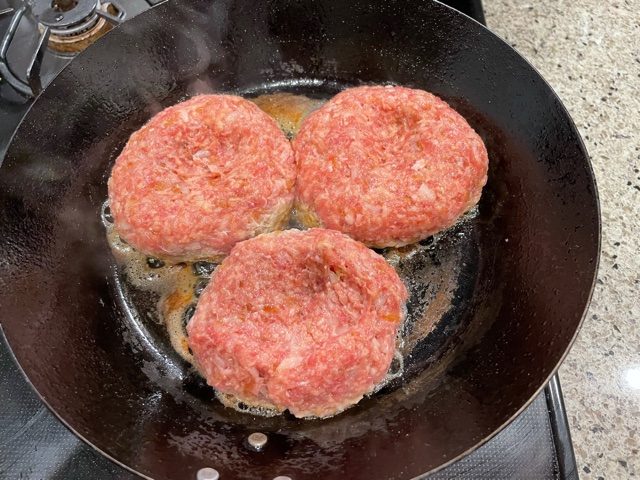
(506, 288)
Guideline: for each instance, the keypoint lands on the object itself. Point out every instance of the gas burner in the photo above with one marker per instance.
(66, 17)
(64, 26)
(75, 24)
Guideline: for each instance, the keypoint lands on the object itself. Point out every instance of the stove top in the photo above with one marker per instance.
(52, 43)
(34, 444)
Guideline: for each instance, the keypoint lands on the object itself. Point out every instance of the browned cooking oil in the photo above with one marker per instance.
(287, 109)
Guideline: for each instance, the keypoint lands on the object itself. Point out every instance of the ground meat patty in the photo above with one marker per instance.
(201, 176)
(387, 165)
(298, 320)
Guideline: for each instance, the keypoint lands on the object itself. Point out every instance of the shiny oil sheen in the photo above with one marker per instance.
(508, 294)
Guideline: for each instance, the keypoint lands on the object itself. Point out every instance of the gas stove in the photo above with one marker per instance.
(38, 39)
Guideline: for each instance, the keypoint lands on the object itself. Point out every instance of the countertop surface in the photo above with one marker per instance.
(589, 51)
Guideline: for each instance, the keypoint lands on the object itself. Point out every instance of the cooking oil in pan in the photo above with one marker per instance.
(430, 270)
(287, 109)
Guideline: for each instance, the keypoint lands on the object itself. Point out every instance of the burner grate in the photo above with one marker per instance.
(66, 26)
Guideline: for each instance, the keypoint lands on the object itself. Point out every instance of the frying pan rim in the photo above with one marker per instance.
(596, 268)
(55, 414)
(591, 176)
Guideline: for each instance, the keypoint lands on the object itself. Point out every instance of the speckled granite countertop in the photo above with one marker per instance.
(589, 51)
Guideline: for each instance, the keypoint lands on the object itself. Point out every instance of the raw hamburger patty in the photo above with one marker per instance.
(201, 176)
(387, 165)
(298, 320)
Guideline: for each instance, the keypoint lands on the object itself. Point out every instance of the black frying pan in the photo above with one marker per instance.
(509, 287)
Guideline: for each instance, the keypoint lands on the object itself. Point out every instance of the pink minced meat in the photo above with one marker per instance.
(298, 320)
(201, 176)
(387, 165)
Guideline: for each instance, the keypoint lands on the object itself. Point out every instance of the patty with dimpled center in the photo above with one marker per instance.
(201, 176)
(298, 320)
(387, 165)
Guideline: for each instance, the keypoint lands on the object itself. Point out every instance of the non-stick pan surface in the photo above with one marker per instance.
(508, 287)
